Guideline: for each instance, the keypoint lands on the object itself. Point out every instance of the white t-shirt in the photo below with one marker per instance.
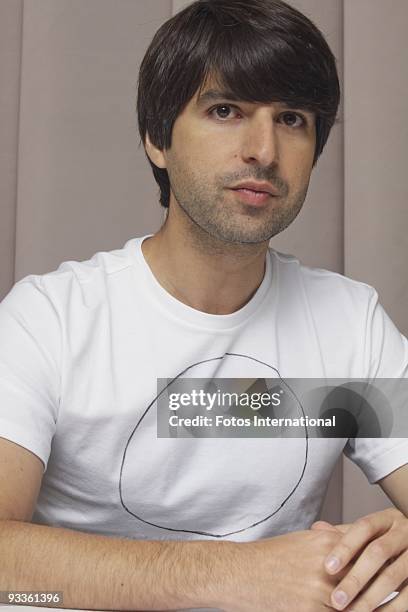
(81, 349)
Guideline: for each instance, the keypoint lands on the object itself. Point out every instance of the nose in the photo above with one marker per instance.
(260, 141)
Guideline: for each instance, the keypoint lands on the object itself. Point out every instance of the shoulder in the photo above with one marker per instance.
(320, 287)
(73, 283)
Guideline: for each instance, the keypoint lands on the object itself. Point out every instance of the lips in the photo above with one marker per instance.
(256, 187)
(251, 197)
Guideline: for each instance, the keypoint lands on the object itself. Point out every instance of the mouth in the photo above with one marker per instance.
(255, 193)
(253, 197)
(258, 186)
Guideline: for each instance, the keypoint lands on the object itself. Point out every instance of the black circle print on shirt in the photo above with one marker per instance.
(189, 485)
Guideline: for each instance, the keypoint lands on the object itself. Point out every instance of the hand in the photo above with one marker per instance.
(281, 573)
(378, 545)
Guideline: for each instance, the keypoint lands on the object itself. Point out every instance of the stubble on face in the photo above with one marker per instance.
(217, 214)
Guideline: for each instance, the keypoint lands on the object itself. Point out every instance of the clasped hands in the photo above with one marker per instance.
(376, 549)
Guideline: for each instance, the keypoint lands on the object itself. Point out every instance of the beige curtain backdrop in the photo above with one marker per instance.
(73, 179)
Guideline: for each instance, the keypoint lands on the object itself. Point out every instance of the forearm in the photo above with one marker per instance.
(98, 572)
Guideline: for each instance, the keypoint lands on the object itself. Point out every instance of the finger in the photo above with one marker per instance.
(384, 587)
(388, 605)
(344, 527)
(357, 535)
(325, 526)
(374, 558)
(398, 602)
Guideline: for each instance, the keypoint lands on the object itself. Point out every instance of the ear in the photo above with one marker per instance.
(155, 155)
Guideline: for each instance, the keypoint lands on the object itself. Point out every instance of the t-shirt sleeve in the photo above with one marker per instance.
(30, 351)
(386, 356)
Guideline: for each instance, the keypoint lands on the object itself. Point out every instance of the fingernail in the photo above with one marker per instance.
(332, 564)
(340, 597)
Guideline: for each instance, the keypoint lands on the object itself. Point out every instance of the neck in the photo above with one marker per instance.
(201, 271)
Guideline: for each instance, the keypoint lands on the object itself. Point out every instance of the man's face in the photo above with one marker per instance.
(218, 144)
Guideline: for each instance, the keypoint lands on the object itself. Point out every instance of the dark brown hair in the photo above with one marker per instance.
(260, 50)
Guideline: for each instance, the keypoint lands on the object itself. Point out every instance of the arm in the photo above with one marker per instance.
(395, 485)
(97, 572)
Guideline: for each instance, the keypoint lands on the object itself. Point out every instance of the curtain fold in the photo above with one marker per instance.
(375, 177)
(11, 17)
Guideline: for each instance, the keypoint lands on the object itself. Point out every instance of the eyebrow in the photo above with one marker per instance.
(212, 95)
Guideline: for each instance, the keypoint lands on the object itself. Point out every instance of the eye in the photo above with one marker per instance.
(292, 119)
(221, 112)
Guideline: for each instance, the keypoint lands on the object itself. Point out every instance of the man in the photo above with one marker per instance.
(236, 102)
